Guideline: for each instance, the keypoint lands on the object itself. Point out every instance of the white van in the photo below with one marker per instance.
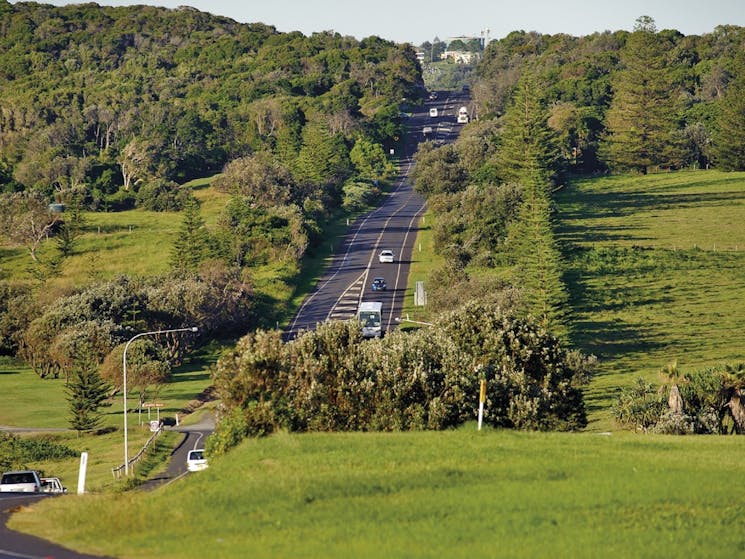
(23, 481)
(433, 112)
(195, 460)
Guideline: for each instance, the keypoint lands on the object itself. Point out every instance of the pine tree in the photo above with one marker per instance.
(643, 118)
(529, 155)
(529, 150)
(729, 139)
(71, 228)
(191, 245)
(86, 392)
(539, 269)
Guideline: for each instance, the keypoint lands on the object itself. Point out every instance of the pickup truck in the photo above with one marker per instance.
(52, 485)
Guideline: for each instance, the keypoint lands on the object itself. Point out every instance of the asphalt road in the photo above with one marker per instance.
(393, 225)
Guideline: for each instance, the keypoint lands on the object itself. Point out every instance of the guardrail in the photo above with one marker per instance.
(117, 472)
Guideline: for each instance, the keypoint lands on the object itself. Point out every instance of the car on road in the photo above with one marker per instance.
(433, 96)
(386, 256)
(52, 485)
(433, 112)
(195, 460)
(21, 481)
(378, 284)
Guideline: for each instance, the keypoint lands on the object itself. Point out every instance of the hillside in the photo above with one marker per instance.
(656, 270)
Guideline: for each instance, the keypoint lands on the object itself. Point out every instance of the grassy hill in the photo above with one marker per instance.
(656, 270)
(449, 494)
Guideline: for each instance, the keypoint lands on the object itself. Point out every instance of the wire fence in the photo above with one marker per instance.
(117, 472)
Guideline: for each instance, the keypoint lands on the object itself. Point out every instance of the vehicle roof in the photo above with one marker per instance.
(376, 278)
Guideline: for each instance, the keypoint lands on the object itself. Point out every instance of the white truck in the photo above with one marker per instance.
(370, 315)
(463, 115)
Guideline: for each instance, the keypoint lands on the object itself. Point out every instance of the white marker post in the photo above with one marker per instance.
(81, 473)
(482, 399)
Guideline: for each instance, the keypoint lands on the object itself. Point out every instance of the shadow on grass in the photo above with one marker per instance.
(600, 204)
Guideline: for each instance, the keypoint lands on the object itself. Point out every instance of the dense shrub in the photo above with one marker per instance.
(15, 451)
(712, 403)
(331, 379)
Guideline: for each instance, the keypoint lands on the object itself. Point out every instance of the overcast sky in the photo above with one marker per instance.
(416, 22)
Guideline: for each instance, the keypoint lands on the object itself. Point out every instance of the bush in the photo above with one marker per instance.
(161, 196)
(332, 380)
(15, 451)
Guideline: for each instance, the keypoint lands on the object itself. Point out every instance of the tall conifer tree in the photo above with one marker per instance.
(643, 118)
(191, 244)
(529, 155)
(729, 140)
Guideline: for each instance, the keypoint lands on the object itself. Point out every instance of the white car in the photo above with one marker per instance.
(386, 256)
(195, 460)
(24, 481)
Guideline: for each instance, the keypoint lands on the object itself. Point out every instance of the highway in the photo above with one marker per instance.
(393, 225)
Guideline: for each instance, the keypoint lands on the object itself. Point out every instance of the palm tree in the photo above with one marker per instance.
(671, 376)
(733, 392)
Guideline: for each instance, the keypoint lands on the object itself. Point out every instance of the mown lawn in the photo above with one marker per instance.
(430, 494)
(656, 272)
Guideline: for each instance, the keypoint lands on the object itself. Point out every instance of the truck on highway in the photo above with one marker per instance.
(370, 315)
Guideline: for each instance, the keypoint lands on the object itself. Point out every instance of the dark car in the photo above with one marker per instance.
(378, 284)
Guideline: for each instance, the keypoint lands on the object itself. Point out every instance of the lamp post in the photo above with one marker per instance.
(124, 386)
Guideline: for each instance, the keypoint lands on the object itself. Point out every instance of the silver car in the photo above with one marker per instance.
(386, 256)
(195, 460)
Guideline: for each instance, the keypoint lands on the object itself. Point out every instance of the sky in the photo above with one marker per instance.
(416, 22)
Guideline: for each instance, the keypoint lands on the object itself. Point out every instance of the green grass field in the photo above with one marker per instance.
(656, 272)
(430, 494)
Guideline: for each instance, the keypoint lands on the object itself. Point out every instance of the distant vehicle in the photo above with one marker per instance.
(427, 130)
(370, 315)
(195, 460)
(433, 111)
(22, 481)
(386, 256)
(378, 284)
(52, 485)
(433, 96)
(463, 115)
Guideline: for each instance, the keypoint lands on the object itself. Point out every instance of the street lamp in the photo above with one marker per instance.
(124, 387)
